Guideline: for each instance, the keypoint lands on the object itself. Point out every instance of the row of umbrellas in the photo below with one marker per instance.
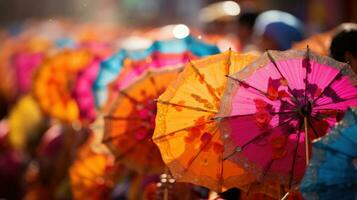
(180, 109)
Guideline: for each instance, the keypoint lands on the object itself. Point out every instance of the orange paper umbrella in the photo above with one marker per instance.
(54, 82)
(318, 43)
(93, 175)
(8, 89)
(131, 120)
(133, 69)
(189, 140)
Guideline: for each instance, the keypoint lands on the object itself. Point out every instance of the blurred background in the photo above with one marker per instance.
(318, 15)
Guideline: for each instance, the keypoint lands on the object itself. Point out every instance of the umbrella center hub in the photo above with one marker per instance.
(305, 110)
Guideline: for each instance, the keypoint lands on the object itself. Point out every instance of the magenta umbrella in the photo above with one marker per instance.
(269, 107)
(25, 64)
(82, 91)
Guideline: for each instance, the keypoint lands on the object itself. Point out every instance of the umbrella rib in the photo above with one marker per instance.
(190, 162)
(221, 173)
(126, 95)
(184, 106)
(329, 103)
(176, 131)
(229, 61)
(308, 65)
(209, 88)
(267, 168)
(108, 139)
(277, 68)
(247, 84)
(152, 81)
(312, 127)
(292, 171)
(327, 109)
(129, 150)
(151, 154)
(122, 92)
(252, 114)
(258, 90)
(117, 118)
(265, 133)
(329, 85)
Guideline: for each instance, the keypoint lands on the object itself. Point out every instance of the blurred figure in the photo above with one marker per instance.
(245, 29)
(277, 30)
(344, 45)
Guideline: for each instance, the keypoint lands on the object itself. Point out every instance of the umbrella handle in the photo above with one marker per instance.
(285, 196)
(166, 191)
(306, 142)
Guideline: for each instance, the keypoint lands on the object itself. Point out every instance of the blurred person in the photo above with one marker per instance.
(277, 30)
(245, 29)
(344, 44)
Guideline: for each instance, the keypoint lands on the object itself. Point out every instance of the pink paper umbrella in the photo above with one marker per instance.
(25, 63)
(270, 106)
(133, 69)
(82, 91)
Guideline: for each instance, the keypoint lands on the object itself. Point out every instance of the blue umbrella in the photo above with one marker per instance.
(332, 172)
(111, 67)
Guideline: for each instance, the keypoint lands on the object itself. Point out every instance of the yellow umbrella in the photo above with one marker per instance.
(25, 119)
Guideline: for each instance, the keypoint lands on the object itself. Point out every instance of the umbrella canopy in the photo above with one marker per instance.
(189, 140)
(82, 91)
(318, 43)
(8, 86)
(26, 122)
(130, 123)
(276, 105)
(25, 63)
(110, 68)
(332, 172)
(133, 69)
(93, 175)
(54, 82)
